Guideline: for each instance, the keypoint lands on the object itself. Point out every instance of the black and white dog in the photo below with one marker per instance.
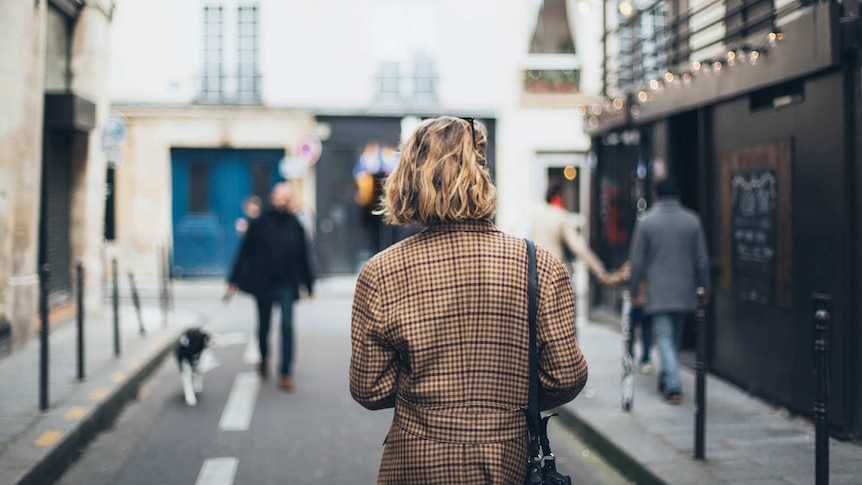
(192, 343)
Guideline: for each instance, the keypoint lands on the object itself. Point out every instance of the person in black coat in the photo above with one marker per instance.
(272, 265)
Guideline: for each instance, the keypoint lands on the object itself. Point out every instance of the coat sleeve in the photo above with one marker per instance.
(637, 256)
(373, 362)
(562, 366)
(248, 240)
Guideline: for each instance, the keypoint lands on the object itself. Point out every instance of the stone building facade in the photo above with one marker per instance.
(52, 99)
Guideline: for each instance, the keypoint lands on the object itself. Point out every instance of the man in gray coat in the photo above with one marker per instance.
(668, 250)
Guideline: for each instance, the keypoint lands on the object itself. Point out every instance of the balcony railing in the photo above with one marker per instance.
(230, 89)
(660, 44)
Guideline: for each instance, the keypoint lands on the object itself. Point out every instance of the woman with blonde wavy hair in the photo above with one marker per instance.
(440, 325)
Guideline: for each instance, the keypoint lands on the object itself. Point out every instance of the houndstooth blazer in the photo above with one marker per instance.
(439, 331)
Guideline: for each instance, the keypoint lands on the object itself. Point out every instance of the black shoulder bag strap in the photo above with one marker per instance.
(542, 467)
(534, 472)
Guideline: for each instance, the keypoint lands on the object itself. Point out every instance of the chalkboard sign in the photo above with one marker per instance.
(754, 203)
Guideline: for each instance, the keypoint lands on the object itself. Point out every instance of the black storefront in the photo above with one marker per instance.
(354, 162)
(765, 148)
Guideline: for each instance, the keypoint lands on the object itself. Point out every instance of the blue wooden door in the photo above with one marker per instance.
(209, 186)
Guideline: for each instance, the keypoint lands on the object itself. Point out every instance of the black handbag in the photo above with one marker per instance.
(542, 465)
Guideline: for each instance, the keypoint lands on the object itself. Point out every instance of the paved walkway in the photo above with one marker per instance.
(34, 444)
(747, 441)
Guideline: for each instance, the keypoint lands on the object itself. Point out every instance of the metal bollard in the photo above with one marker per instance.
(116, 302)
(79, 270)
(44, 273)
(136, 301)
(822, 305)
(700, 383)
(163, 303)
(169, 257)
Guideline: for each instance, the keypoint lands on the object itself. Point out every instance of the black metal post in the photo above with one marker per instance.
(79, 270)
(169, 257)
(822, 305)
(700, 383)
(116, 302)
(163, 283)
(45, 272)
(137, 302)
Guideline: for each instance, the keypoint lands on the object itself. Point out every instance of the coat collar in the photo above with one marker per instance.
(665, 203)
(474, 225)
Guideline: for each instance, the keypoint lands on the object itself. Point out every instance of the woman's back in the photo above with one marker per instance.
(439, 325)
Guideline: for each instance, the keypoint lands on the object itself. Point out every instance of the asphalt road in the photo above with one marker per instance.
(244, 431)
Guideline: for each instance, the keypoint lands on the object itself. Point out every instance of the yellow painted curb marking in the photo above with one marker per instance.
(100, 393)
(75, 413)
(48, 438)
(118, 377)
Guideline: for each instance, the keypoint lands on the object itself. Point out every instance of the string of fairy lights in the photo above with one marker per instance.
(744, 54)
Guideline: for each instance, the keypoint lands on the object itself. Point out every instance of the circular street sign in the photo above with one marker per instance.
(309, 149)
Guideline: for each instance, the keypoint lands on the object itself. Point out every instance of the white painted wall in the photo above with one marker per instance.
(323, 55)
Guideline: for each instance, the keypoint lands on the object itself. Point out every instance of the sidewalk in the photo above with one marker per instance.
(35, 445)
(747, 441)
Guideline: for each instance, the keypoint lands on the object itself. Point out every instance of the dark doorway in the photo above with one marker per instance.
(684, 167)
(55, 249)
(348, 188)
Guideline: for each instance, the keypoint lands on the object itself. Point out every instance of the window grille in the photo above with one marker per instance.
(248, 76)
(424, 79)
(212, 80)
(390, 80)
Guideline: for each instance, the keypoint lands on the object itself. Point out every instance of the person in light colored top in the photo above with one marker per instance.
(550, 229)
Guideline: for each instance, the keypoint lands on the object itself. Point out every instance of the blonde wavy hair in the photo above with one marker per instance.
(441, 176)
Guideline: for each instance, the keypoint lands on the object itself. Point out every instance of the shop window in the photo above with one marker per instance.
(778, 96)
(568, 179)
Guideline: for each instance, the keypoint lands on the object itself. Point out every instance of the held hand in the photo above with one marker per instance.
(231, 288)
(618, 277)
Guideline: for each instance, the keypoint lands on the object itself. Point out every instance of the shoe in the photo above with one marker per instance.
(646, 368)
(673, 397)
(261, 370)
(285, 383)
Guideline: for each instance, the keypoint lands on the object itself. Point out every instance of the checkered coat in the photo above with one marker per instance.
(439, 332)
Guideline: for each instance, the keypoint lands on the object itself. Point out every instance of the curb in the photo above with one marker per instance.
(56, 460)
(614, 455)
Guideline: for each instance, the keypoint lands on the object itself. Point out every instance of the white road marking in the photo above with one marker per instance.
(240, 403)
(218, 471)
(229, 338)
(252, 352)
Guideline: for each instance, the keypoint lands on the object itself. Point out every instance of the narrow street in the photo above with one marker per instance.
(245, 431)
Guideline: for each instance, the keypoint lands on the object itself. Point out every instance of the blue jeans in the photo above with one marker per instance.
(668, 336)
(284, 297)
(637, 318)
